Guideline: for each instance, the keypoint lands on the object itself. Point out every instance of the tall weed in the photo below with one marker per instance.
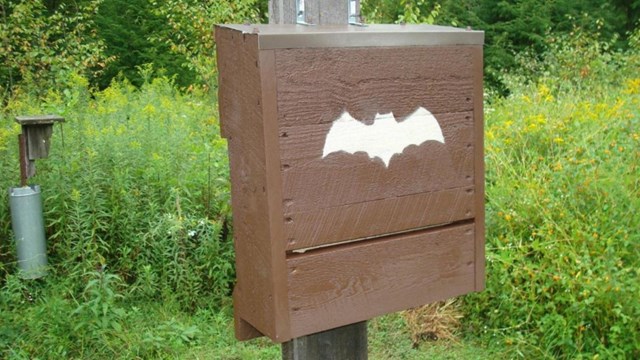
(136, 203)
(137, 180)
(562, 159)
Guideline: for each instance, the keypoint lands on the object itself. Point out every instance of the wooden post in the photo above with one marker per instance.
(347, 342)
(24, 161)
(316, 12)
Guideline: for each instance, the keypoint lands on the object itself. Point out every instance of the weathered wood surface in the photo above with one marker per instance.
(316, 85)
(346, 284)
(478, 115)
(247, 108)
(38, 141)
(385, 216)
(277, 107)
(346, 342)
(322, 196)
(311, 181)
(318, 12)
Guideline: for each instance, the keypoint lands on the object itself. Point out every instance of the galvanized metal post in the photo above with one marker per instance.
(28, 228)
(347, 342)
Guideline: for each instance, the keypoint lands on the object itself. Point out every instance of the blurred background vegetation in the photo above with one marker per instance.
(136, 189)
(106, 39)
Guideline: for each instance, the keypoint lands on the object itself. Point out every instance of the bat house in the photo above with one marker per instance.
(357, 172)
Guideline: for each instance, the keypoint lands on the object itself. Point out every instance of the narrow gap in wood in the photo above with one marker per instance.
(292, 254)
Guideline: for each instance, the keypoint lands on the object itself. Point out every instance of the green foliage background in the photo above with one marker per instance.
(512, 27)
(136, 189)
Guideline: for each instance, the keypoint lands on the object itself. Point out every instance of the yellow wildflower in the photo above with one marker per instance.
(632, 86)
(149, 109)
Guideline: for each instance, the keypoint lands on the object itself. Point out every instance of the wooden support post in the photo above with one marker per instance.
(347, 342)
(317, 12)
(24, 161)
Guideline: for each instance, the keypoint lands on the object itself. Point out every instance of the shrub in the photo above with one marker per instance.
(136, 181)
(562, 159)
(40, 46)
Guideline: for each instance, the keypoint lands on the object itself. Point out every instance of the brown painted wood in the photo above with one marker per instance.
(478, 118)
(318, 12)
(311, 181)
(274, 195)
(316, 85)
(373, 218)
(351, 283)
(247, 108)
(338, 198)
(276, 108)
(346, 342)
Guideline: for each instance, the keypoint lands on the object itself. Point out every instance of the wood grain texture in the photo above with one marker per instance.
(282, 11)
(346, 342)
(247, 112)
(347, 196)
(316, 85)
(478, 118)
(38, 141)
(274, 195)
(276, 108)
(311, 181)
(323, 226)
(329, 12)
(346, 284)
(319, 12)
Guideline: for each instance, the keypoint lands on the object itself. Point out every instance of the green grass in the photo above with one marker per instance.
(136, 198)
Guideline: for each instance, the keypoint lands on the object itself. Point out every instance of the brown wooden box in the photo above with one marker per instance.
(329, 228)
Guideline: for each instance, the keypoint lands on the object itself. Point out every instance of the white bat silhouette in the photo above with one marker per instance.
(385, 137)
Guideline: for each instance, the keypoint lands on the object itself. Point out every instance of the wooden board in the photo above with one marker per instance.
(248, 113)
(385, 216)
(324, 241)
(478, 115)
(316, 85)
(317, 11)
(346, 284)
(340, 197)
(311, 181)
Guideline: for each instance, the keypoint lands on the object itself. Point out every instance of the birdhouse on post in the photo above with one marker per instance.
(25, 202)
(357, 170)
(35, 141)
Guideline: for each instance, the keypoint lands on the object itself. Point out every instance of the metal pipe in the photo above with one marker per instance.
(28, 228)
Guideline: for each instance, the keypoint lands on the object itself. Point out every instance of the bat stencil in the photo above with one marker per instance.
(385, 137)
